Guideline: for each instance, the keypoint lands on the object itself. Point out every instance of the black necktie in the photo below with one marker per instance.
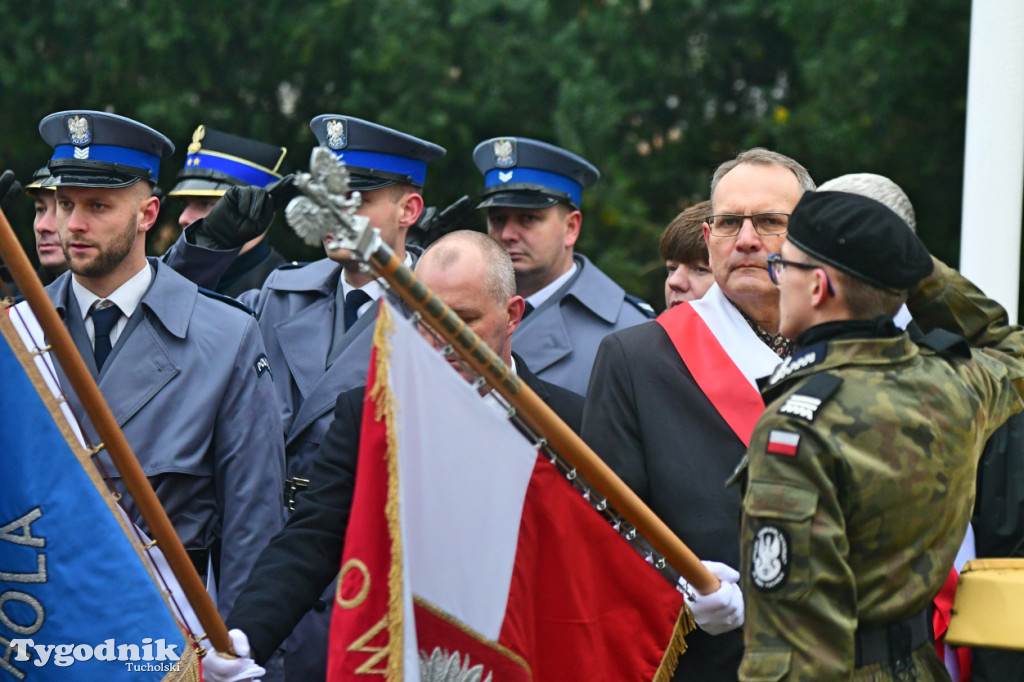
(103, 321)
(527, 310)
(354, 300)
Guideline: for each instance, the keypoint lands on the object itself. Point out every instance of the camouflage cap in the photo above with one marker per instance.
(861, 237)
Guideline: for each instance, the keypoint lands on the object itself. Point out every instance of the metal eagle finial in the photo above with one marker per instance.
(325, 211)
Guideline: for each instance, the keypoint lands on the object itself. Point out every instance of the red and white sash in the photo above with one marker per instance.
(724, 356)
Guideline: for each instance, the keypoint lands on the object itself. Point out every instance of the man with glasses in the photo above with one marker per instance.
(859, 481)
(672, 403)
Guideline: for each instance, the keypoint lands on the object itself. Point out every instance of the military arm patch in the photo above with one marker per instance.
(262, 366)
(782, 443)
(769, 563)
(804, 403)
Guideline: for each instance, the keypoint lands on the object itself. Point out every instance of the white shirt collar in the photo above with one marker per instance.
(127, 296)
(538, 297)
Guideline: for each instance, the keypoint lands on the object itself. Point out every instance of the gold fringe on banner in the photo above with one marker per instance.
(676, 646)
(384, 401)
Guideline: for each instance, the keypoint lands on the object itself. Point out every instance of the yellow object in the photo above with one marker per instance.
(988, 605)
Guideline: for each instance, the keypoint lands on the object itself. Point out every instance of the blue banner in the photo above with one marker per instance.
(76, 601)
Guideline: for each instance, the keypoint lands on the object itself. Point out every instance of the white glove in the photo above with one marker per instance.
(722, 610)
(216, 668)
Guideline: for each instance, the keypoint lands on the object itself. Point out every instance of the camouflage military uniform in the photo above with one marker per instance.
(860, 483)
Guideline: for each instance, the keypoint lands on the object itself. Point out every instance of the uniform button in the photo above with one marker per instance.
(320, 605)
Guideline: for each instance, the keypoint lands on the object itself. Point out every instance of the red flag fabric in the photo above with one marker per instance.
(468, 551)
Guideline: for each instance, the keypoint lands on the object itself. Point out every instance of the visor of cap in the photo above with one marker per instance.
(519, 199)
(365, 183)
(68, 177)
(201, 187)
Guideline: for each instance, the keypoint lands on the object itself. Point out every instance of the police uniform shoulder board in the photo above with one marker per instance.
(294, 265)
(227, 299)
(641, 305)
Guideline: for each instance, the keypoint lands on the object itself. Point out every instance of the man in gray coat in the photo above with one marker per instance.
(185, 375)
(317, 319)
(532, 194)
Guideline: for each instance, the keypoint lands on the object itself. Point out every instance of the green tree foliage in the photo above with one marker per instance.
(655, 93)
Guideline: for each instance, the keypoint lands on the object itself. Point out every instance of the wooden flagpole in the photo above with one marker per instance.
(114, 441)
(542, 418)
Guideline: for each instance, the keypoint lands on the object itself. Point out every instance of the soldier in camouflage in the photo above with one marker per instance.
(859, 478)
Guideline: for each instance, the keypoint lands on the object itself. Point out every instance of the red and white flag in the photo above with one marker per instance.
(469, 556)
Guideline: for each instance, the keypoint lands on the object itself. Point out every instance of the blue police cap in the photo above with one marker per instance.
(524, 173)
(374, 155)
(97, 149)
(217, 161)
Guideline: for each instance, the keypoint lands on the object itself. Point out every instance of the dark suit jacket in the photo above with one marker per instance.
(304, 558)
(647, 418)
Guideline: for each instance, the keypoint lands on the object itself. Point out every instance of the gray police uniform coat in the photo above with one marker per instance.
(295, 309)
(188, 383)
(296, 312)
(559, 339)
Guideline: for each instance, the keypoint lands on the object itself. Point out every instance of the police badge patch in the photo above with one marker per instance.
(504, 152)
(262, 366)
(78, 130)
(769, 566)
(336, 138)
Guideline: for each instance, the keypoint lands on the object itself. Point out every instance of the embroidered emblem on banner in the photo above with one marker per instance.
(803, 406)
(504, 176)
(197, 139)
(782, 443)
(504, 153)
(262, 366)
(379, 653)
(78, 130)
(336, 138)
(769, 566)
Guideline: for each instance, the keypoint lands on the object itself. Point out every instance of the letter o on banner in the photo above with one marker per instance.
(82, 652)
(360, 582)
(29, 601)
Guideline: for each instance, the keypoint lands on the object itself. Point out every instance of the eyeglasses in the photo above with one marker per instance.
(776, 264)
(765, 224)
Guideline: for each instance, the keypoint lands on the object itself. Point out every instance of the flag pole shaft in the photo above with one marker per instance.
(113, 438)
(542, 418)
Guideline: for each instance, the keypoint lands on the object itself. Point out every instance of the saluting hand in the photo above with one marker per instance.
(242, 214)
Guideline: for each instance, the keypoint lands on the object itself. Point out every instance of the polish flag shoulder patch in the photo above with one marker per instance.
(782, 443)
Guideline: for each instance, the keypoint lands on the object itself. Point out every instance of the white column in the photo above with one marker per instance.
(994, 151)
